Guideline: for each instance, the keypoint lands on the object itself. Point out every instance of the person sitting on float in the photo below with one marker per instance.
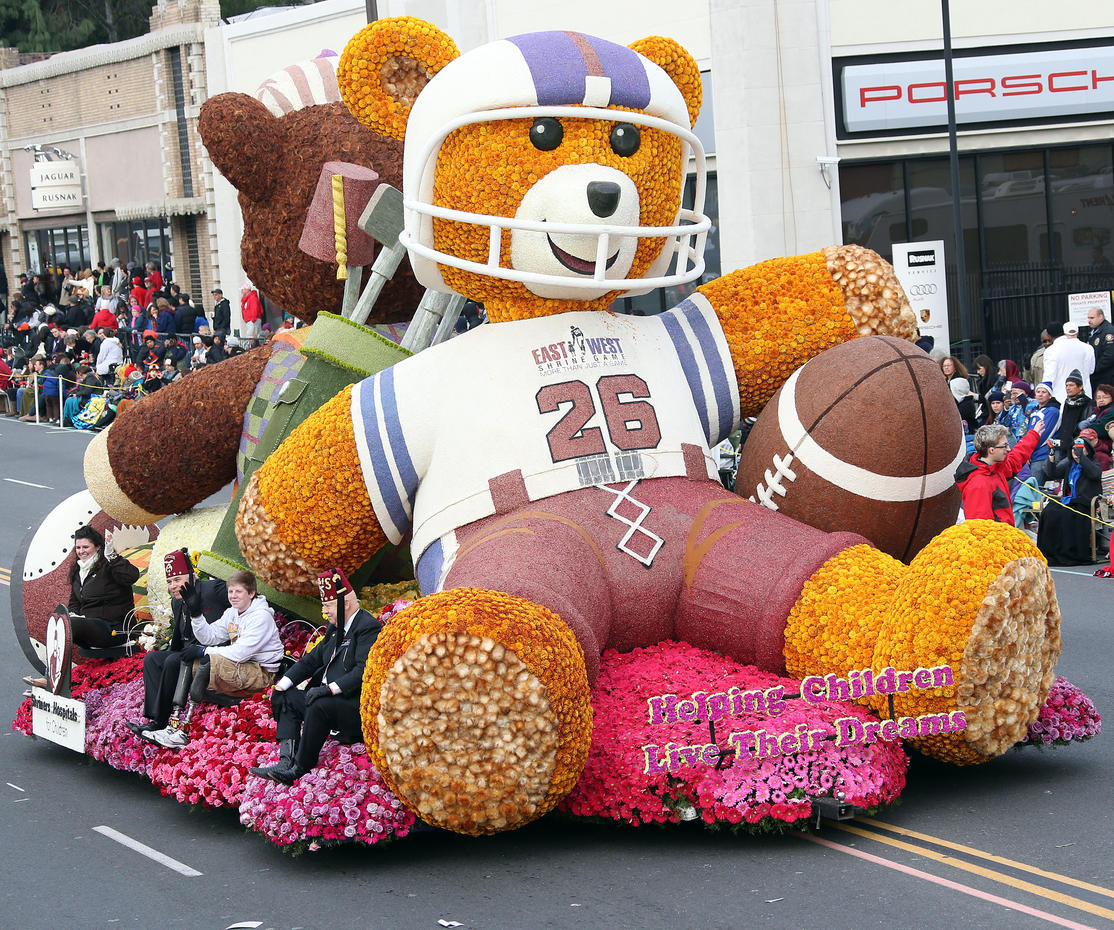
(335, 671)
(237, 654)
(166, 678)
(101, 598)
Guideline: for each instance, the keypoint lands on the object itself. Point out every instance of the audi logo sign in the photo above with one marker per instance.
(887, 96)
(919, 267)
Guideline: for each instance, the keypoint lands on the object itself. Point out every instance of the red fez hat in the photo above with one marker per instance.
(333, 584)
(176, 563)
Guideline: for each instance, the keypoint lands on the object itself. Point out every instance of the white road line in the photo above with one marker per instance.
(145, 850)
(1065, 571)
(10, 785)
(30, 484)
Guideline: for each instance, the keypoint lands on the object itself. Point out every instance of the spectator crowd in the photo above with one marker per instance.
(116, 330)
(1039, 440)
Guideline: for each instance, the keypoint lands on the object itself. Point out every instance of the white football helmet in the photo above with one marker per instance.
(587, 250)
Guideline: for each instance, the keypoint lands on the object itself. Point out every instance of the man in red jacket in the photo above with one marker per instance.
(984, 478)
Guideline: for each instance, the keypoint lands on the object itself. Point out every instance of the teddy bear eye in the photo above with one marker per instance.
(546, 133)
(625, 139)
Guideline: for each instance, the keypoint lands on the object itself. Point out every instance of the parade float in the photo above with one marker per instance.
(594, 624)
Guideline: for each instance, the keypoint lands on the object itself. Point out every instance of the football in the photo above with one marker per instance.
(40, 574)
(865, 437)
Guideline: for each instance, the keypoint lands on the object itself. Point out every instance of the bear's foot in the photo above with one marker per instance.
(1006, 670)
(976, 609)
(980, 600)
(477, 709)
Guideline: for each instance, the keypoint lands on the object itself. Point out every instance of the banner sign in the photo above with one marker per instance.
(919, 267)
(54, 714)
(58, 719)
(1079, 304)
(54, 185)
(886, 96)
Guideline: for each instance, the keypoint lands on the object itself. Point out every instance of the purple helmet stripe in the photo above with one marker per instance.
(560, 61)
(630, 87)
(555, 64)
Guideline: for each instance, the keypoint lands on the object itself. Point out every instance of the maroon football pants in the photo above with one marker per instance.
(633, 564)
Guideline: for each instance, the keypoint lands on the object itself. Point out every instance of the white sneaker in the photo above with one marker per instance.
(170, 738)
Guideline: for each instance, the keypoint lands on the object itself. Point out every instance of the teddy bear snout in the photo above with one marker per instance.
(603, 197)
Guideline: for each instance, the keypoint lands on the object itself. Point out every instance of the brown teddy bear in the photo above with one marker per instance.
(180, 445)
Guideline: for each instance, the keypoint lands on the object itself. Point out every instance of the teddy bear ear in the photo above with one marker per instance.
(244, 140)
(384, 67)
(674, 59)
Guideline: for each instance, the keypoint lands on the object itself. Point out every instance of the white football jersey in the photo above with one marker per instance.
(560, 402)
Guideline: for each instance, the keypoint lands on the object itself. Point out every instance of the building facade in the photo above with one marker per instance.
(100, 156)
(832, 126)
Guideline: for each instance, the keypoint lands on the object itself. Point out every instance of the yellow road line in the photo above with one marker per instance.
(945, 882)
(1000, 877)
(1001, 860)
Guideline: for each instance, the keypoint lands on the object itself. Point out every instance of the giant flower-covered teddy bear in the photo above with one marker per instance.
(551, 471)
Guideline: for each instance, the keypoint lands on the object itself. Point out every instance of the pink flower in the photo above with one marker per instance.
(616, 785)
(1067, 716)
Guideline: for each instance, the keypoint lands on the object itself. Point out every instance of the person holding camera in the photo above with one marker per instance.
(1064, 534)
(984, 478)
(335, 671)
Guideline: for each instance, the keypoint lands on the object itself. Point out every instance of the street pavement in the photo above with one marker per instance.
(1024, 841)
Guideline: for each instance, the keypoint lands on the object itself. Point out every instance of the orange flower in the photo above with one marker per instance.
(780, 313)
(388, 51)
(317, 503)
(488, 168)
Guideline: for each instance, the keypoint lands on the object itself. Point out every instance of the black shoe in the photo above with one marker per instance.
(285, 773)
(139, 726)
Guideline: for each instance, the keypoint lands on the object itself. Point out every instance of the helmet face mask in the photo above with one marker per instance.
(575, 233)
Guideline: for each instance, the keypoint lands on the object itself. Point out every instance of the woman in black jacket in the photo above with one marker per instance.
(100, 591)
(1064, 536)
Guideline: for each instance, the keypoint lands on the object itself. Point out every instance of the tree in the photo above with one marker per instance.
(62, 25)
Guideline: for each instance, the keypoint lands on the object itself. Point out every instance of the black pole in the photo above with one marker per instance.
(957, 215)
(372, 11)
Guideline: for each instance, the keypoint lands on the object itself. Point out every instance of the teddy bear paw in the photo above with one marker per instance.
(478, 726)
(271, 559)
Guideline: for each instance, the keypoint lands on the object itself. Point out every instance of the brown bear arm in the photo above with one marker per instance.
(177, 446)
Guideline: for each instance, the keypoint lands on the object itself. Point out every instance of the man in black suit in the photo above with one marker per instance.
(161, 669)
(335, 670)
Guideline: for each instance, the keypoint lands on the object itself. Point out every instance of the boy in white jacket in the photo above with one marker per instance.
(246, 662)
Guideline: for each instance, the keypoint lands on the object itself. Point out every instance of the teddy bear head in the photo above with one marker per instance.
(272, 154)
(541, 173)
